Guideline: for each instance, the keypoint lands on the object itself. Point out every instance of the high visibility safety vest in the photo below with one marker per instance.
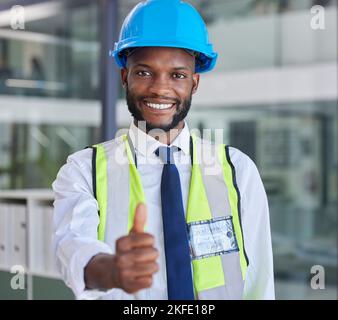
(219, 260)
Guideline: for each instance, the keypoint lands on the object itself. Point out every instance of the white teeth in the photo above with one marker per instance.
(159, 106)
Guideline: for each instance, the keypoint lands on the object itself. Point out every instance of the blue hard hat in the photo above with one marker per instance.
(166, 23)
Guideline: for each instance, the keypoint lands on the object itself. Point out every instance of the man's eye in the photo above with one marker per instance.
(143, 73)
(179, 76)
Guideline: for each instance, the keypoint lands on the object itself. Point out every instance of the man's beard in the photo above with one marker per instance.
(180, 114)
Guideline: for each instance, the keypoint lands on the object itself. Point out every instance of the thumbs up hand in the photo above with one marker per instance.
(135, 257)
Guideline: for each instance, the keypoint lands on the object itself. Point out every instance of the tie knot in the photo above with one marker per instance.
(166, 154)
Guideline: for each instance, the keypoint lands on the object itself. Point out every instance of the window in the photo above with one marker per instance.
(49, 81)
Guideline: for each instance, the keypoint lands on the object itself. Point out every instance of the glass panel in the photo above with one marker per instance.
(55, 55)
(49, 75)
(295, 149)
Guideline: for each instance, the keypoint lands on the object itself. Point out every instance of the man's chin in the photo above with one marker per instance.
(159, 126)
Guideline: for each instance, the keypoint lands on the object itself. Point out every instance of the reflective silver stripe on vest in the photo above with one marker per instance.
(118, 191)
(234, 286)
(212, 176)
(217, 194)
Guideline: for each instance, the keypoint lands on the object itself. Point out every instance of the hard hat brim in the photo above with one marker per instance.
(209, 57)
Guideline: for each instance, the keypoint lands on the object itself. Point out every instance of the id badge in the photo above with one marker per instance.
(212, 237)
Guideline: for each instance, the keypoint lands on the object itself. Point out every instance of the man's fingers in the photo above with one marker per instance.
(134, 240)
(138, 276)
(138, 284)
(144, 254)
(145, 282)
(140, 218)
(145, 269)
(139, 255)
(130, 274)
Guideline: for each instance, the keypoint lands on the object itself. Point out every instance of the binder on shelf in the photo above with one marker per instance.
(18, 234)
(37, 238)
(42, 255)
(4, 241)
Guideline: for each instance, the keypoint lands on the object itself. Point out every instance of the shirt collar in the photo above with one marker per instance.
(146, 144)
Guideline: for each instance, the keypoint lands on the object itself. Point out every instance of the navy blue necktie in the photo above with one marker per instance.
(177, 253)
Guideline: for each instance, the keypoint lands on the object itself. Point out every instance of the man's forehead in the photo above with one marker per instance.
(137, 55)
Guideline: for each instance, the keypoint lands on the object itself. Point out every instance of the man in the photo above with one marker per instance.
(159, 213)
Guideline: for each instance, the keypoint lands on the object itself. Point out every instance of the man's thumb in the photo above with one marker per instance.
(140, 218)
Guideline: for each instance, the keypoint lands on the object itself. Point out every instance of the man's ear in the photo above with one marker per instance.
(124, 76)
(196, 81)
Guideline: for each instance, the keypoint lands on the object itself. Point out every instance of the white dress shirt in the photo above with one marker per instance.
(76, 218)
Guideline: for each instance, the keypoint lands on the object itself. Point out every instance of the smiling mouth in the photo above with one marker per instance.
(159, 106)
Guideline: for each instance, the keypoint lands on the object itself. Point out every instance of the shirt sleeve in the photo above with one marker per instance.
(259, 282)
(75, 223)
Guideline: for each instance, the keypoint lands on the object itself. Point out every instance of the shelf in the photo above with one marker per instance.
(26, 240)
(21, 194)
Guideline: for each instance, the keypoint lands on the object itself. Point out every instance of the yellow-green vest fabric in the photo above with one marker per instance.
(213, 194)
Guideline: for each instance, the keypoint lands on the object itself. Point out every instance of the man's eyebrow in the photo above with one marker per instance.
(142, 65)
(181, 68)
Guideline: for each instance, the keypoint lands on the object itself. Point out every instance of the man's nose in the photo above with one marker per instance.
(161, 86)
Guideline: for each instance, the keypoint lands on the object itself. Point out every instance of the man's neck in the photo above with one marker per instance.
(162, 136)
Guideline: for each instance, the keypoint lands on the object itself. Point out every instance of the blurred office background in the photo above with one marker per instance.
(274, 92)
